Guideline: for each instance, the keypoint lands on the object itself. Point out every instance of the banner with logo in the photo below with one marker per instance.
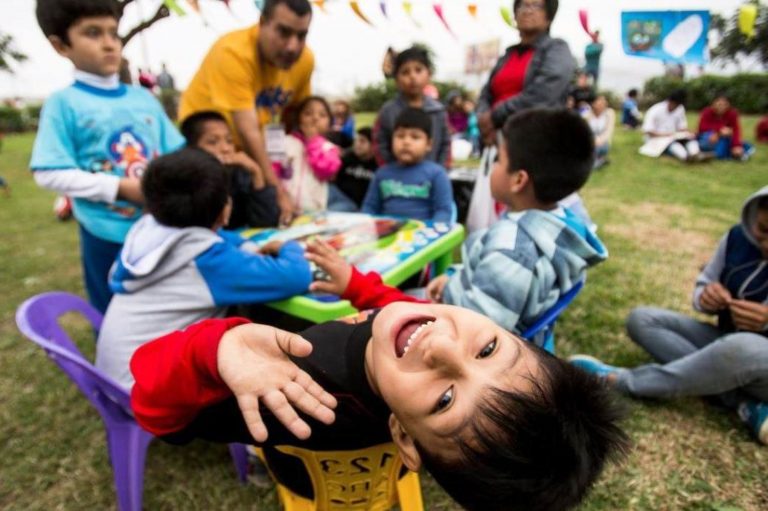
(672, 36)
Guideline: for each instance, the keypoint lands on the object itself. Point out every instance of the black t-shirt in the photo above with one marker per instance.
(354, 176)
(337, 364)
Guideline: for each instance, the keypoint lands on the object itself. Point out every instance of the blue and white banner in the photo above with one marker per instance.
(672, 36)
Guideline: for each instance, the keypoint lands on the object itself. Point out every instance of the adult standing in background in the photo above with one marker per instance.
(253, 75)
(533, 73)
(592, 54)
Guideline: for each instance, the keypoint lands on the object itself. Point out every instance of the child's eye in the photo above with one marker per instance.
(444, 401)
(488, 350)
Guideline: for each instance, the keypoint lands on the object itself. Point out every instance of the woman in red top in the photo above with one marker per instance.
(720, 131)
(534, 73)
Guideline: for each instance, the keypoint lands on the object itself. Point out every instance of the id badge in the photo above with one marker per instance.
(274, 135)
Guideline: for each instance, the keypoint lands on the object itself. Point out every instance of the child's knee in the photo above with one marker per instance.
(745, 348)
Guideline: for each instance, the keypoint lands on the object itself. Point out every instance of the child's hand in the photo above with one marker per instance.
(435, 288)
(271, 248)
(715, 297)
(245, 161)
(129, 189)
(339, 271)
(748, 315)
(253, 362)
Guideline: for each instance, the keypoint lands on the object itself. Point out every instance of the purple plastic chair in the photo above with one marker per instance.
(37, 318)
(542, 331)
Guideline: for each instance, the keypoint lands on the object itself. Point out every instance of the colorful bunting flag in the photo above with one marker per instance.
(408, 8)
(195, 5)
(355, 5)
(259, 4)
(438, 8)
(472, 8)
(383, 5)
(506, 15)
(747, 20)
(320, 4)
(174, 7)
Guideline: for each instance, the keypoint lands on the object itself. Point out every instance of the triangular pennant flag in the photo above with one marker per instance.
(259, 4)
(195, 5)
(356, 7)
(747, 19)
(438, 7)
(472, 8)
(320, 4)
(408, 8)
(506, 15)
(383, 5)
(584, 20)
(174, 7)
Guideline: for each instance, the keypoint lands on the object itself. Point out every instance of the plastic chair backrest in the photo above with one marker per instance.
(38, 319)
(541, 332)
(358, 480)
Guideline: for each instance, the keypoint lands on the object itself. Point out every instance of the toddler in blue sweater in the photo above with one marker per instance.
(411, 187)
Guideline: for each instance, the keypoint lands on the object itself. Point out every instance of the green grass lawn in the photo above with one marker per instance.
(661, 221)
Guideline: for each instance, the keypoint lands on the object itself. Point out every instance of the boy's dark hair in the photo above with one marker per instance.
(292, 118)
(56, 16)
(298, 7)
(192, 127)
(678, 96)
(550, 6)
(762, 203)
(555, 147)
(414, 118)
(415, 53)
(366, 132)
(188, 188)
(535, 451)
(632, 93)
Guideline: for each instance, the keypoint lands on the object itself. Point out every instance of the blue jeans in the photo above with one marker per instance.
(721, 148)
(694, 359)
(97, 256)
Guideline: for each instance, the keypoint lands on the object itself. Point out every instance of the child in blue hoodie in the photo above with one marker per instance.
(177, 267)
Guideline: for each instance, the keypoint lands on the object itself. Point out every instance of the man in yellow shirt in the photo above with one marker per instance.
(251, 75)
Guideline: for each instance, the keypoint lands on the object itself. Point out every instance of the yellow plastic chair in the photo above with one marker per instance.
(360, 480)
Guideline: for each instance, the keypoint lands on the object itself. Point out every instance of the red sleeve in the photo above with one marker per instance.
(367, 291)
(707, 121)
(177, 375)
(733, 118)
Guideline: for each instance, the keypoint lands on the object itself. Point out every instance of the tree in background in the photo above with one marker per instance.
(161, 12)
(734, 45)
(9, 54)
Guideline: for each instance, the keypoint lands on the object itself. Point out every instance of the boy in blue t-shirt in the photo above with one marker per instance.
(411, 187)
(96, 136)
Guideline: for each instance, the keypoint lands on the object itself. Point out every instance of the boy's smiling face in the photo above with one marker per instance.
(434, 364)
(93, 47)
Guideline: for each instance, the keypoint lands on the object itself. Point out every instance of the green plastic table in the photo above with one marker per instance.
(439, 252)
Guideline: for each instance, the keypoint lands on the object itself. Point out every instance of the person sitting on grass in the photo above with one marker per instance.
(412, 186)
(720, 131)
(602, 120)
(630, 114)
(665, 128)
(537, 251)
(254, 202)
(696, 358)
(177, 267)
(499, 423)
(761, 130)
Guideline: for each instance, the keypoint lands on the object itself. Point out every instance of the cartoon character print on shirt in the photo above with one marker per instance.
(129, 157)
(273, 99)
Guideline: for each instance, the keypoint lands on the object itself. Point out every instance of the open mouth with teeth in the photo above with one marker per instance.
(409, 332)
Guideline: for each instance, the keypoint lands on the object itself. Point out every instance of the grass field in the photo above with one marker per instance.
(661, 221)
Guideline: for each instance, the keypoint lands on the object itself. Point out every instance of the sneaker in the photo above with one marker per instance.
(592, 365)
(755, 414)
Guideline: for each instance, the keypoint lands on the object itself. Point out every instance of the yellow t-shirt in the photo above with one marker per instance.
(232, 77)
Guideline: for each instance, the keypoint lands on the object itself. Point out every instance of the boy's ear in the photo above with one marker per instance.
(518, 181)
(58, 44)
(405, 444)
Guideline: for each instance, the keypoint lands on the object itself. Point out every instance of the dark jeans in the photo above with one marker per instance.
(97, 256)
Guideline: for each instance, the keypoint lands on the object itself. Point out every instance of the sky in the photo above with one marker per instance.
(348, 52)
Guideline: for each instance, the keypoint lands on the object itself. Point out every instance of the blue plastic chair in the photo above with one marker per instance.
(38, 320)
(542, 331)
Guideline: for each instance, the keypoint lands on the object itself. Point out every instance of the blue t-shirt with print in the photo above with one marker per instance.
(421, 191)
(116, 132)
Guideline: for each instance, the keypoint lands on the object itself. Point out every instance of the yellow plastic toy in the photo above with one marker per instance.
(360, 480)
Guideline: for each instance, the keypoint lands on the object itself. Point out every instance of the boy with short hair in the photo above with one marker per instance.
(254, 202)
(357, 168)
(413, 70)
(177, 267)
(500, 424)
(96, 136)
(696, 358)
(519, 267)
(411, 187)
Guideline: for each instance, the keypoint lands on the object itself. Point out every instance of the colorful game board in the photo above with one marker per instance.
(396, 248)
